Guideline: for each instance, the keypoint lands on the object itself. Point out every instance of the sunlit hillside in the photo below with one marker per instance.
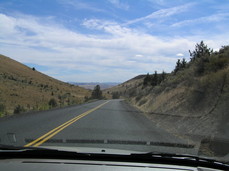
(25, 89)
(195, 95)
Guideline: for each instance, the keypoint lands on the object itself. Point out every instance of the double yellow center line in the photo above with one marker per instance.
(50, 134)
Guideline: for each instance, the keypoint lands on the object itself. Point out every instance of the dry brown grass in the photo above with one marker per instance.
(124, 88)
(20, 85)
(188, 104)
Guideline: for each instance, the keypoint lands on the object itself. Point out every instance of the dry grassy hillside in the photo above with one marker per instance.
(193, 100)
(32, 90)
(123, 90)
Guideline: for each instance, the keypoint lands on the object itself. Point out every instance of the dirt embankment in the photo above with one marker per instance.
(198, 108)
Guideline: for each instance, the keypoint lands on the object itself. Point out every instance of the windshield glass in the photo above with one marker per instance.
(142, 76)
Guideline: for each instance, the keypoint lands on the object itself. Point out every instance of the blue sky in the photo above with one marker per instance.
(108, 40)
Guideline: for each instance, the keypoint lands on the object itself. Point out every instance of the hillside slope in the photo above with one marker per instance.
(124, 89)
(192, 101)
(32, 90)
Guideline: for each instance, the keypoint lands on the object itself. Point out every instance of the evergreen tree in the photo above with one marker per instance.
(154, 80)
(146, 80)
(201, 50)
(183, 63)
(96, 93)
(163, 75)
(178, 66)
(200, 57)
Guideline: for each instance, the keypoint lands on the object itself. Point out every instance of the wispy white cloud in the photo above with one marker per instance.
(212, 18)
(159, 2)
(79, 5)
(162, 13)
(97, 23)
(113, 28)
(180, 54)
(119, 4)
(118, 55)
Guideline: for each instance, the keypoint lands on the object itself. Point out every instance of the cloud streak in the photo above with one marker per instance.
(80, 5)
(162, 13)
(212, 18)
(119, 4)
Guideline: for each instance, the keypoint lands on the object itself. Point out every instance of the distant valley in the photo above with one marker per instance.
(91, 85)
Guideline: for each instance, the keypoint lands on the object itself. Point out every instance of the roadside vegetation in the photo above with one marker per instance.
(206, 70)
(197, 89)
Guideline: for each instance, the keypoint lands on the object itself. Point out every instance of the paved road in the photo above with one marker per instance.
(104, 123)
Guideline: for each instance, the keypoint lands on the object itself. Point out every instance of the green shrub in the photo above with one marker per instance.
(86, 98)
(19, 109)
(2, 110)
(216, 64)
(44, 107)
(115, 95)
(52, 102)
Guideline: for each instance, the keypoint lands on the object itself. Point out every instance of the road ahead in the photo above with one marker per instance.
(104, 123)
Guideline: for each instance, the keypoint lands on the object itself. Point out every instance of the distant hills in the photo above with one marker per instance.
(25, 89)
(91, 85)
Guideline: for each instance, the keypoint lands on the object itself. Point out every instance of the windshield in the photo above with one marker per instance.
(143, 76)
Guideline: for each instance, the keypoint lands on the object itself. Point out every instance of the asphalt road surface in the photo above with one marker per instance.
(103, 124)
